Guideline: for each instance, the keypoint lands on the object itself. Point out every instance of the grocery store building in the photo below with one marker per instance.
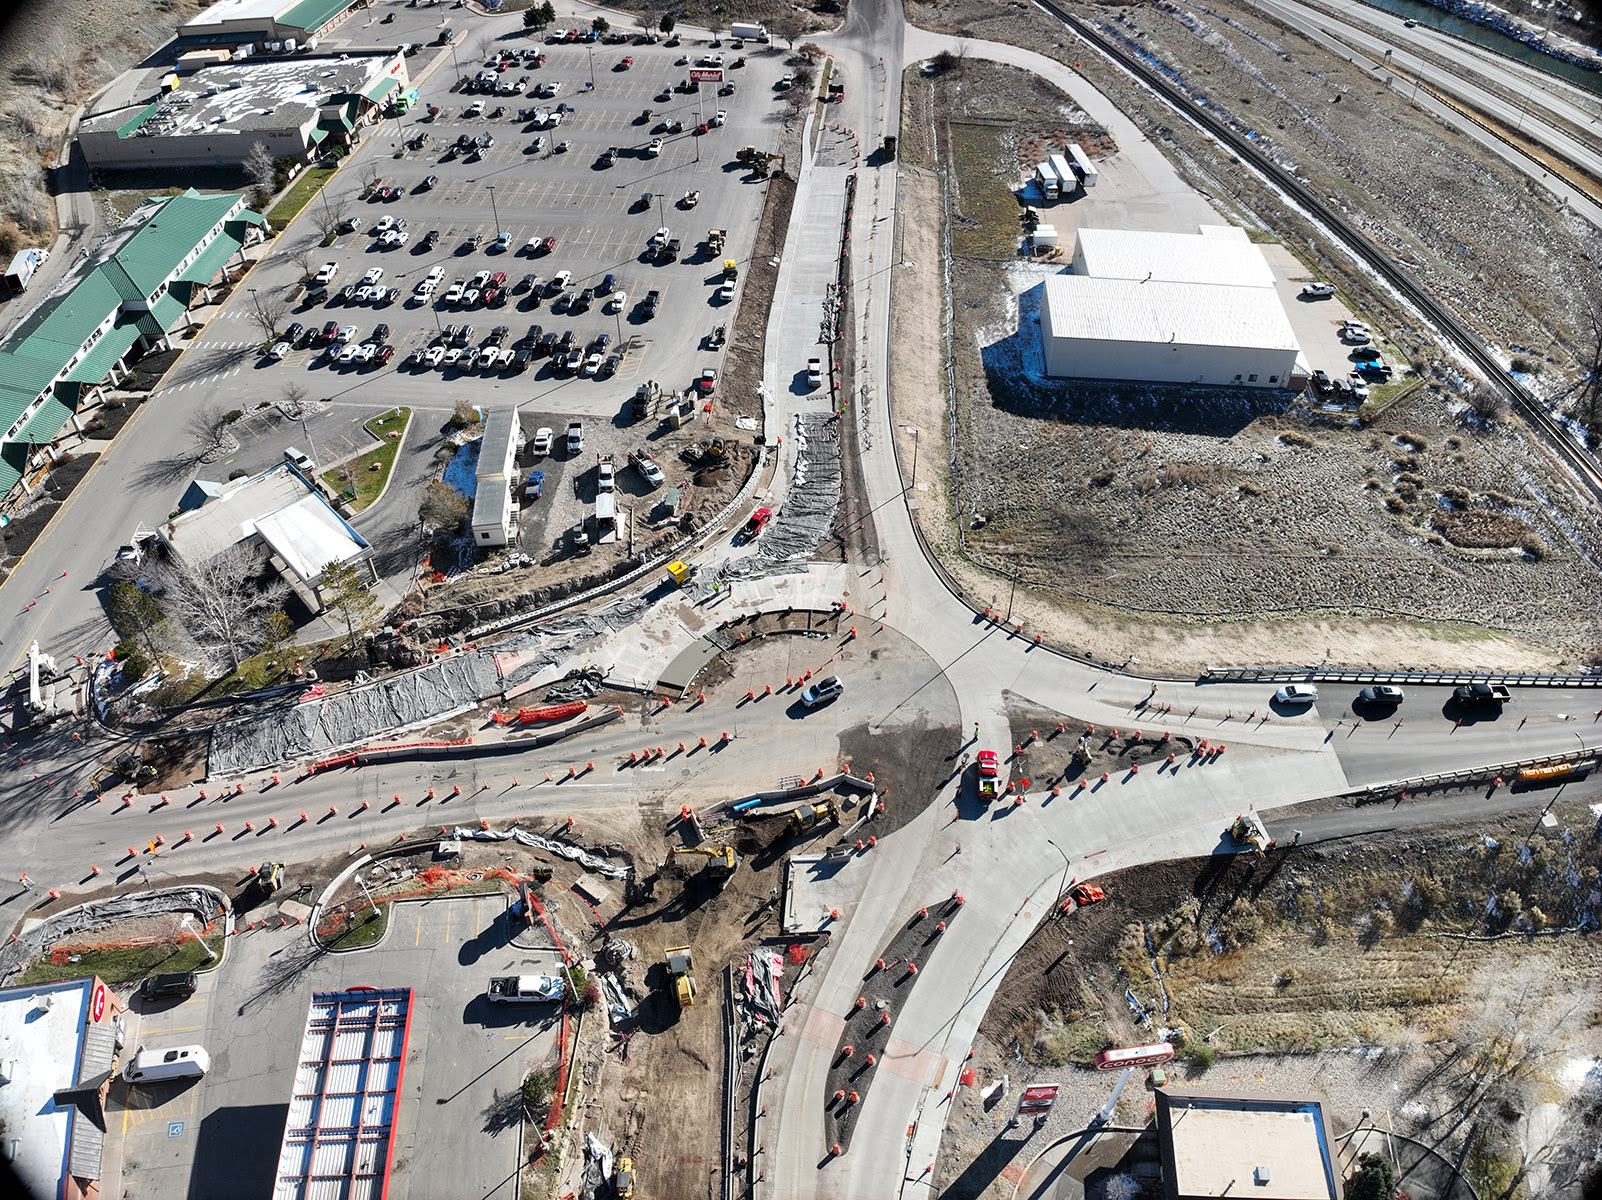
(58, 1054)
(120, 301)
(297, 107)
(267, 20)
(1169, 308)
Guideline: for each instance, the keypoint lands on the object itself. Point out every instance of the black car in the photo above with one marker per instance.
(294, 333)
(497, 335)
(429, 182)
(431, 239)
(464, 335)
(174, 983)
(522, 358)
(567, 341)
(584, 299)
(497, 112)
(380, 333)
(525, 283)
(546, 343)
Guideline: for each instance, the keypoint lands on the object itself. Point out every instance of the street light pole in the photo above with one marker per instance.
(1010, 593)
(914, 458)
(1055, 906)
(490, 188)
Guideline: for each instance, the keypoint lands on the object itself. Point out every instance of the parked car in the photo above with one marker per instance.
(575, 437)
(1318, 289)
(173, 983)
(542, 440)
(1297, 693)
(1382, 693)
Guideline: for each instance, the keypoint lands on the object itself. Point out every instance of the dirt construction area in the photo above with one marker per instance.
(1189, 527)
(1441, 980)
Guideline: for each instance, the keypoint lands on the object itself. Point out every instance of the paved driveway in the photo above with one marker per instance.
(456, 1125)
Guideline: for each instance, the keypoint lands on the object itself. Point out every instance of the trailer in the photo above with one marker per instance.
(23, 266)
(1046, 177)
(1082, 165)
(1067, 181)
(748, 31)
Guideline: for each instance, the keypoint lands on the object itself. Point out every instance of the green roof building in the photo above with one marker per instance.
(126, 295)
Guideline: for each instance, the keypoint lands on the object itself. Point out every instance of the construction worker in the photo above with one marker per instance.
(1296, 836)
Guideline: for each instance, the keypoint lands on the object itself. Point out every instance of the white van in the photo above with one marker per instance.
(181, 1062)
(299, 459)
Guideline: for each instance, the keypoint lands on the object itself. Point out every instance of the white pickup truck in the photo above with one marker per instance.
(526, 989)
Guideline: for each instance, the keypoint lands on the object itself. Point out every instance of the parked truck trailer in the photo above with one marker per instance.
(748, 31)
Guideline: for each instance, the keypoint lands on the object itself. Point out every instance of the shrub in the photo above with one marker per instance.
(1199, 1058)
(234, 414)
(539, 1089)
(1413, 441)
(1534, 546)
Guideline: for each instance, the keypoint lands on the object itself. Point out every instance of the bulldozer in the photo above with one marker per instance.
(722, 861)
(678, 961)
(806, 816)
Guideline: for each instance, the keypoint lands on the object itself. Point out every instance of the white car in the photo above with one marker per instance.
(365, 352)
(1358, 327)
(425, 287)
(1356, 337)
(655, 147)
(347, 334)
(470, 297)
(362, 295)
(617, 301)
(374, 274)
(542, 440)
(652, 473)
(452, 356)
(720, 116)
(1318, 289)
(278, 352)
(1297, 693)
(815, 372)
(454, 296)
(592, 364)
(383, 224)
(437, 273)
(726, 293)
(786, 80)
(327, 272)
(605, 479)
(823, 691)
(435, 355)
(348, 352)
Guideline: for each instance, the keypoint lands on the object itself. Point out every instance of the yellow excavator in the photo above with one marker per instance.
(678, 961)
(722, 861)
(1248, 831)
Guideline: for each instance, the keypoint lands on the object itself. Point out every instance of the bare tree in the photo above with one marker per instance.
(344, 591)
(789, 26)
(292, 401)
(208, 429)
(56, 60)
(368, 176)
(1588, 397)
(266, 310)
(261, 169)
(303, 256)
(223, 603)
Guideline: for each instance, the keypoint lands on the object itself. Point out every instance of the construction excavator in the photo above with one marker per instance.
(722, 861)
(758, 160)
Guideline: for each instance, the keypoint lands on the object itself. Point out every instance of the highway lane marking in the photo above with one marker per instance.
(23, 653)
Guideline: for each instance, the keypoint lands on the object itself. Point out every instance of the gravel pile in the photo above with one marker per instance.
(303, 730)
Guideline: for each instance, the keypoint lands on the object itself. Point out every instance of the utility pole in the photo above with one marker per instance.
(490, 188)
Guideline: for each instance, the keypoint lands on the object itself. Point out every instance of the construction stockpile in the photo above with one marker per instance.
(310, 730)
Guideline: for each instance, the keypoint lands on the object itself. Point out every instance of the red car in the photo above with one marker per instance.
(498, 278)
(548, 245)
(572, 35)
(385, 353)
(627, 62)
(489, 295)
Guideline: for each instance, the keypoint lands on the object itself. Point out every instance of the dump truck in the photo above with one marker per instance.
(526, 989)
(806, 816)
(679, 960)
(1482, 693)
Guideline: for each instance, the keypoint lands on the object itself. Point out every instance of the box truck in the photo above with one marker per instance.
(748, 31)
(1046, 177)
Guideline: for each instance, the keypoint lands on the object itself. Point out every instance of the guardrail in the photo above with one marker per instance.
(1443, 678)
(731, 1077)
(1504, 771)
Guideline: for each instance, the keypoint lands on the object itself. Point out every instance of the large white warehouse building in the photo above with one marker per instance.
(1169, 308)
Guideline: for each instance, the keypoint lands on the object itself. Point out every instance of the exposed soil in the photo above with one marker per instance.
(1210, 511)
(35, 512)
(1410, 960)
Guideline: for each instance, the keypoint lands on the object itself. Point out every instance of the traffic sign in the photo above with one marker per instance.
(706, 75)
(1038, 1097)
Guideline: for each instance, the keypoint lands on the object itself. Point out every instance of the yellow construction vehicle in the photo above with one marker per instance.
(806, 816)
(715, 239)
(1249, 831)
(678, 962)
(721, 864)
(680, 572)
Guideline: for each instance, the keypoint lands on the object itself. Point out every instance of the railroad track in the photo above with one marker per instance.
(1450, 325)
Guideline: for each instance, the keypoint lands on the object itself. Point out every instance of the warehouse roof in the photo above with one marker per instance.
(1219, 254)
(1271, 1148)
(253, 94)
(1190, 314)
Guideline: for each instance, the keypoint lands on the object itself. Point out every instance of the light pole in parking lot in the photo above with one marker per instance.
(490, 188)
(592, 67)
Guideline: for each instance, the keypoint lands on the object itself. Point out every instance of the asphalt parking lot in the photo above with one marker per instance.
(595, 213)
(455, 1132)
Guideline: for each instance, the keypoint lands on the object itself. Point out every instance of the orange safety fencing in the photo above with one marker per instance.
(553, 712)
(60, 952)
(357, 756)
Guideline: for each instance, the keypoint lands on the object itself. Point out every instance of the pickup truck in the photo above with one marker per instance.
(1482, 693)
(653, 300)
(751, 528)
(526, 989)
